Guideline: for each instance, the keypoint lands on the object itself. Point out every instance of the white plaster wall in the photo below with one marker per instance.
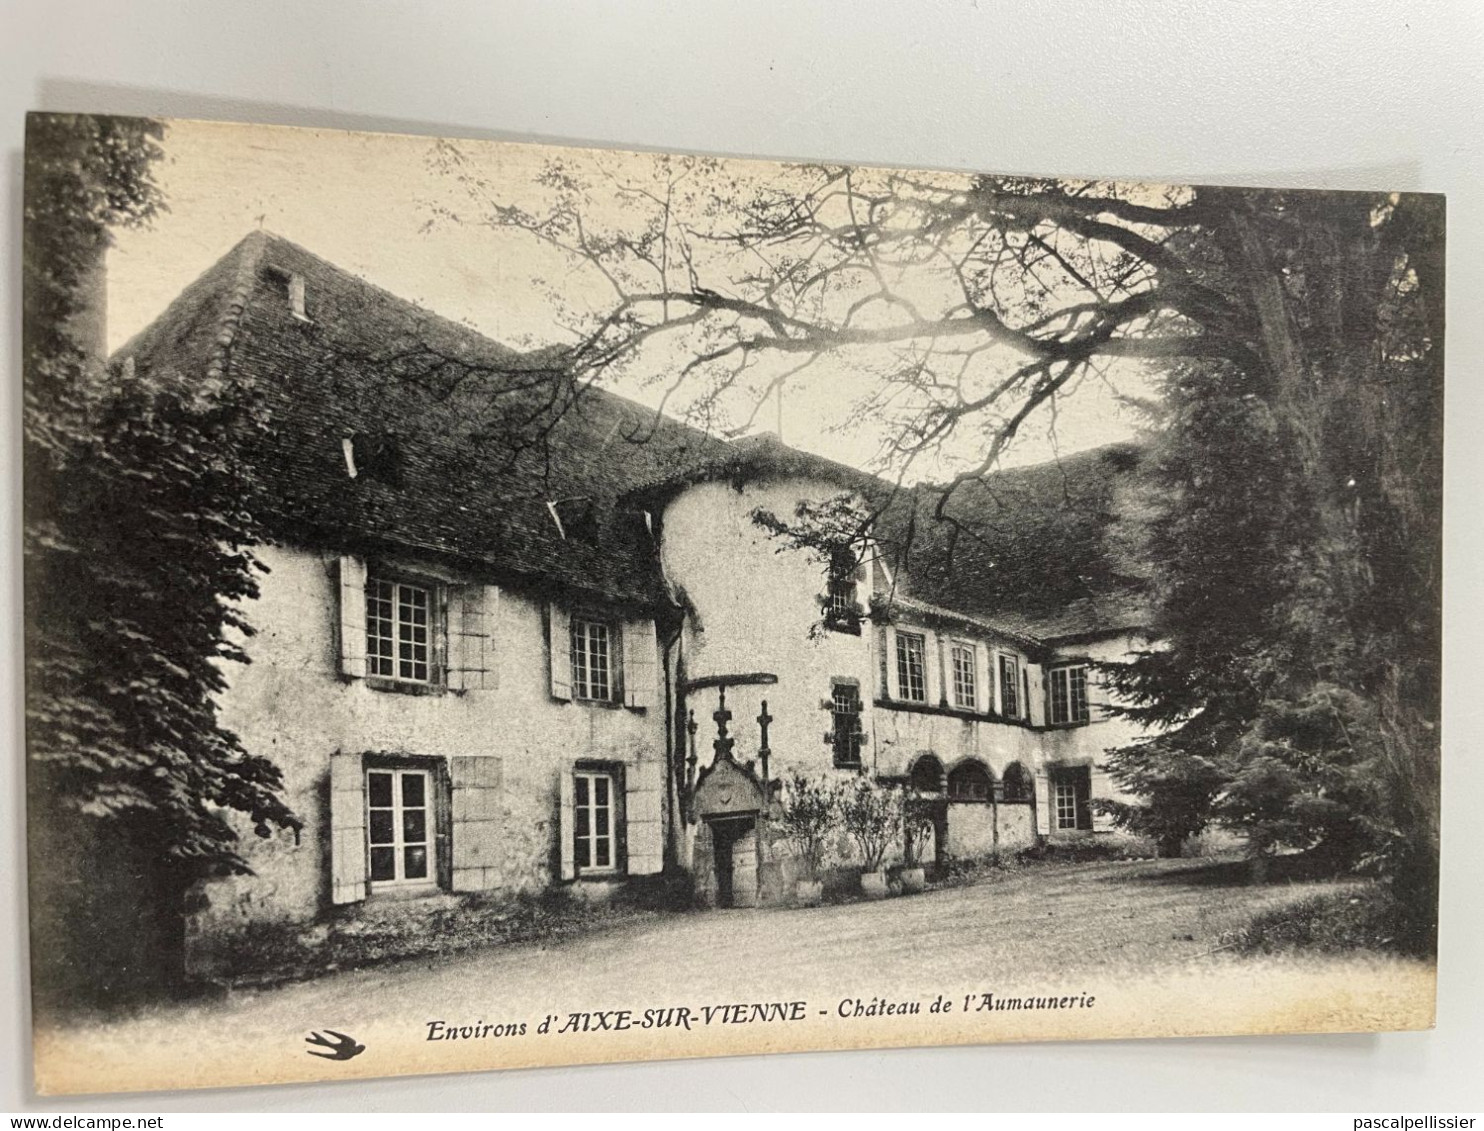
(1088, 745)
(754, 610)
(902, 734)
(292, 705)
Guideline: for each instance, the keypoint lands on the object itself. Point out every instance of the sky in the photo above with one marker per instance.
(378, 205)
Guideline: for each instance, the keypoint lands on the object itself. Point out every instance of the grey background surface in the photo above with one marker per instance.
(1354, 94)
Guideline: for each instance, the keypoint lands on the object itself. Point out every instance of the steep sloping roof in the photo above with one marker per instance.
(1045, 551)
(468, 449)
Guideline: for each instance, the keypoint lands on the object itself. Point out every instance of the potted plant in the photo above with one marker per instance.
(917, 827)
(872, 814)
(807, 815)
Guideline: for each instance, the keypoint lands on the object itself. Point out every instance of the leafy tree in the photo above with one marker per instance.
(138, 523)
(1178, 789)
(1296, 338)
(1305, 775)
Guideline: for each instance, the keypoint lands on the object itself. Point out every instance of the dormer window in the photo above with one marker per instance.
(296, 298)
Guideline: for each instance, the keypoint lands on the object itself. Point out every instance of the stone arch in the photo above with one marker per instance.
(927, 774)
(1019, 785)
(971, 780)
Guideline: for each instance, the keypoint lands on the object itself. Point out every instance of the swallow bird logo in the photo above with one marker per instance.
(338, 1045)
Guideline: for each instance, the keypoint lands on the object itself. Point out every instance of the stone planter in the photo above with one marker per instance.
(913, 880)
(873, 885)
(808, 893)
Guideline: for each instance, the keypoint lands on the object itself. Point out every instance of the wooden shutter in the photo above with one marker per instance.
(934, 675)
(347, 828)
(566, 826)
(1101, 788)
(1036, 695)
(984, 681)
(559, 629)
(443, 825)
(472, 664)
(1082, 779)
(640, 663)
(1045, 803)
(645, 812)
(352, 617)
(1097, 695)
(477, 782)
(892, 688)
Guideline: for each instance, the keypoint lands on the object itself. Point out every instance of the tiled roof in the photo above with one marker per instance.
(1046, 552)
(467, 447)
(472, 451)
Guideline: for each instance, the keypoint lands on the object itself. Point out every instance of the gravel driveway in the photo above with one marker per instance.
(1063, 921)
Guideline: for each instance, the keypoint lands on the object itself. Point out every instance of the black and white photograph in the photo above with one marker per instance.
(492, 605)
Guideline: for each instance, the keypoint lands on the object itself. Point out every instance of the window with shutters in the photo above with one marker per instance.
(592, 652)
(965, 689)
(1009, 686)
(399, 825)
(595, 821)
(1071, 789)
(911, 667)
(401, 625)
(1067, 695)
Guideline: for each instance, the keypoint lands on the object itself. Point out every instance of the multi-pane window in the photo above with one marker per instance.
(965, 692)
(592, 659)
(398, 823)
(843, 609)
(845, 702)
(1070, 789)
(1065, 793)
(1069, 694)
(1009, 687)
(594, 849)
(398, 630)
(911, 667)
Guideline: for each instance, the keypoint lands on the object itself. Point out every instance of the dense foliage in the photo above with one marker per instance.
(137, 530)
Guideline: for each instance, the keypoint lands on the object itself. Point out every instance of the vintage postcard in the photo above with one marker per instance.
(496, 605)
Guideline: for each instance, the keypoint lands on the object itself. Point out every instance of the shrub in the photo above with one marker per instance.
(917, 826)
(873, 817)
(809, 813)
(1351, 919)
